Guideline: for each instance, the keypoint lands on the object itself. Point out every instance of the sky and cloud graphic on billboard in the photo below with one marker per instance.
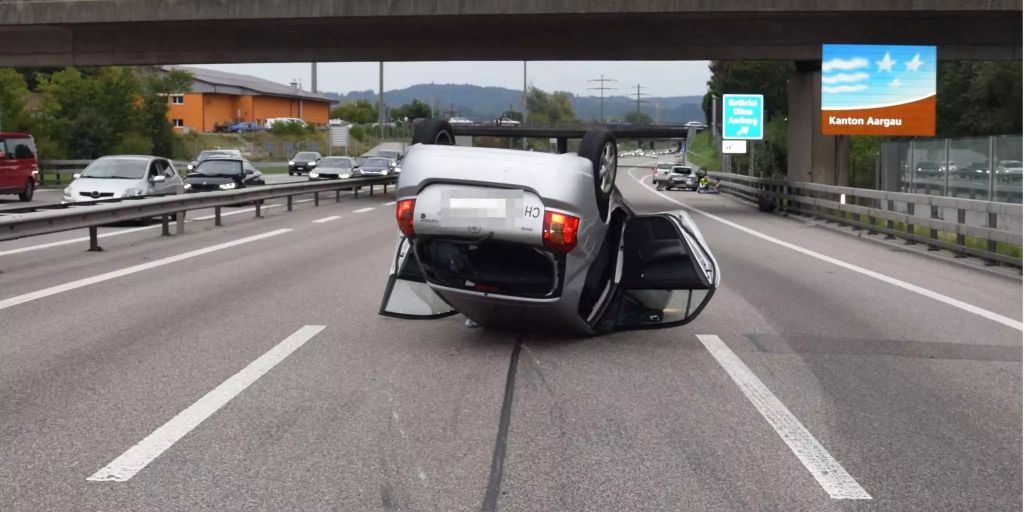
(878, 89)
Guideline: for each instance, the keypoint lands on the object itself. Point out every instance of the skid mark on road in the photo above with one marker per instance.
(145, 451)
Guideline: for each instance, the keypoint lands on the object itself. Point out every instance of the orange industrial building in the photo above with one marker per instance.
(219, 98)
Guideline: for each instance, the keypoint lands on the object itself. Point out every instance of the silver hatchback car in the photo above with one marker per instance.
(123, 176)
(511, 238)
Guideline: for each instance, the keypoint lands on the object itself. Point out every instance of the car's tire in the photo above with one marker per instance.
(600, 148)
(30, 190)
(433, 131)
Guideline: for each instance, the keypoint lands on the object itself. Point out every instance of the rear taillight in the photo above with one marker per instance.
(404, 213)
(560, 231)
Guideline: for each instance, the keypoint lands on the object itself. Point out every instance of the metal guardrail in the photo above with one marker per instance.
(55, 172)
(57, 218)
(895, 214)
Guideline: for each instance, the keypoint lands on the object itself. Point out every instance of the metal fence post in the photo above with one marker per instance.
(165, 225)
(961, 219)
(371, 190)
(991, 168)
(94, 242)
(216, 216)
(259, 209)
(179, 228)
(316, 198)
(910, 224)
(993, 221)
(289, 203)
(889, 224)
(945, 180)
(355, 192)
(933, 233)
(337, 196)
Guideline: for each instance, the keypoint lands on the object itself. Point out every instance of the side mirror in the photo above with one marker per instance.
(76, 175)
(248, 171)
(159, 178)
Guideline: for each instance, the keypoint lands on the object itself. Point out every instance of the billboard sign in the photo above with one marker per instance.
(339, 136)
(734, 146)
(877, 89)
(743, 116)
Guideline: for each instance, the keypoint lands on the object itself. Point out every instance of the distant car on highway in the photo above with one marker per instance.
(245, 127)
(214, 153)
(223, 174)
(391, 154)
(335, 167)
(616, 123)
(460, 120)
(19, 165)
(928, 169)
(506, 121)
(303, 161)
(123, 176)
(376, 166)
(1008, 170)
(513, 238)
(681, 176)
(696, 124)
(661, 171)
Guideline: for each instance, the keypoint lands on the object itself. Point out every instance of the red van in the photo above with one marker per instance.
(19, 168)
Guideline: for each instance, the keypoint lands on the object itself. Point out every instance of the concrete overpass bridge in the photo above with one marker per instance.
(108, 32)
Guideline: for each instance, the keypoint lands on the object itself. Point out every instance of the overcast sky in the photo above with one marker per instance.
(662, 78)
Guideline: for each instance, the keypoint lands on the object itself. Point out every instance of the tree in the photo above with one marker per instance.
(978, 98)
(549, 109)
(13, 93)
(410, 111)
(638, 118)
(152, 120)
(358, 111)
(757, 77)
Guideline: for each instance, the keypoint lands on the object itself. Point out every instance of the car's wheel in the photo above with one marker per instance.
(600, 148)
(30, 190)
(291, 173)
(433, 131)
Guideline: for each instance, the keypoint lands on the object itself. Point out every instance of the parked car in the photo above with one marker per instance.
(223, 174)
(304, 161)
(681, 176)
(335, 167)
(245, 127)
(123, 176)
(19, 166)
(214, 153)
(661, 171)
(511, 238)
(375, 166)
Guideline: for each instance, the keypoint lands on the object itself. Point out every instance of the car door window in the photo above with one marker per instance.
(155, 169)
(407, 294)
(668, 274)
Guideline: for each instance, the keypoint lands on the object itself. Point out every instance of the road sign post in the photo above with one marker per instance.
(743, 116)
(339, 137)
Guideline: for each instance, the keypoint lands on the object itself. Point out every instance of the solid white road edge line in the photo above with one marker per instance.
(823, 467)
(389, 203)
(362, 210)
(73, 240)
(970, 308)
(326, 219)
(137, 457)
(54, 290)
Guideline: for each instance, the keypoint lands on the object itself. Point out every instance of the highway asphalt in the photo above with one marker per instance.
(245, 367)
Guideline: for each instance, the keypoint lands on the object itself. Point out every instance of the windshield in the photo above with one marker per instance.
(340, 163)
(664, 167)
(681, 170)
(117, 168)
(1010, 163)
(376, 162)
(306, 156)
(219, 167)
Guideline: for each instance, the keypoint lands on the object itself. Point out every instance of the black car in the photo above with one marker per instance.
(304, 161)
(334, 167)
(375, 166)
(222, 174)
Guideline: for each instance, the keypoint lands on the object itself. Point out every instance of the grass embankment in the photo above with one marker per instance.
(701, 151)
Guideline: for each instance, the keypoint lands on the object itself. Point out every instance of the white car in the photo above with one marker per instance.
(661, 171)
(511, 238)
(460, 120)
(507, 121)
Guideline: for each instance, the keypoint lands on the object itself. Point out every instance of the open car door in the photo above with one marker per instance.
(407, 294)
(667, 273)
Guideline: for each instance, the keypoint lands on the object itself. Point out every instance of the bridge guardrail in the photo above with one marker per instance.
(56, 218)
(964, 226)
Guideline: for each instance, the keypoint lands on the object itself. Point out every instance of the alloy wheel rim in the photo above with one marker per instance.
(608, 168)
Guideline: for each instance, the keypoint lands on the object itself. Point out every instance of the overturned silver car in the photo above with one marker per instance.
(513, 238)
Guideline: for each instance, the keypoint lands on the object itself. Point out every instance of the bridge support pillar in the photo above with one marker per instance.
(812, 156)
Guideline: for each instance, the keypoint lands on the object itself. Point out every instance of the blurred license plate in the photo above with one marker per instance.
(483, 204)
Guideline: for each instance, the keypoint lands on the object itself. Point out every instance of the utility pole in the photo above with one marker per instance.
(312, 77)
(601, 87)
(380, 99)
(638, 100)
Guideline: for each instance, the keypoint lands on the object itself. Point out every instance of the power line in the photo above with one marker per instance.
(601, 87)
